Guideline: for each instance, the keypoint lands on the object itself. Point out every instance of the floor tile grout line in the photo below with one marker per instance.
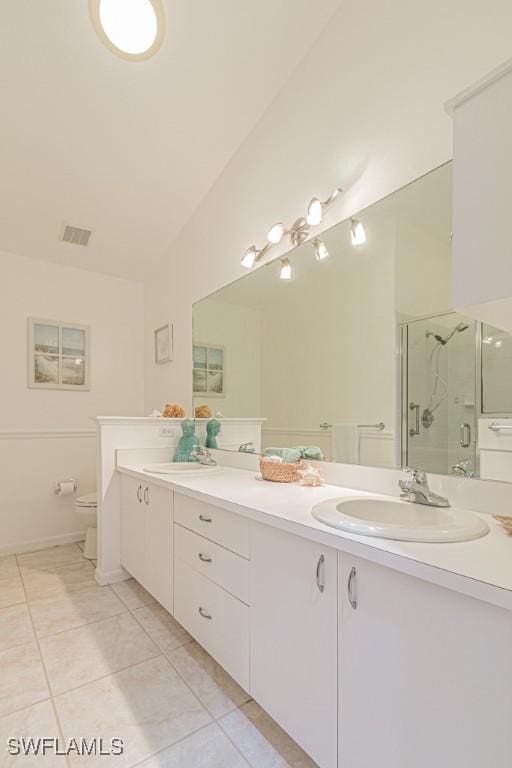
(104, 677)
(87, 624)
(231, 741)
(174, 744)
(45, 672)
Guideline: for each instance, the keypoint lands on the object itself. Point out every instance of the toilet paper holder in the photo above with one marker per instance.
(65, 487)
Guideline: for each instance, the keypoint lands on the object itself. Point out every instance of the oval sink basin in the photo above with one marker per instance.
(179, 467)
(390, 518)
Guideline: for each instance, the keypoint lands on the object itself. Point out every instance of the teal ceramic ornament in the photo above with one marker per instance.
(212, 430)
(187, 442)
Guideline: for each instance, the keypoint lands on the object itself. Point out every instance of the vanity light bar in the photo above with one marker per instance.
(298, 232)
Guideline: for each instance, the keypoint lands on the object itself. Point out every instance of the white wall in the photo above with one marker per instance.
(364, 110)
(237, 329)
(46, 435)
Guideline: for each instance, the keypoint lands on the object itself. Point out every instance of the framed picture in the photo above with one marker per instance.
(209, 372)
(163, 344)
(58, 355)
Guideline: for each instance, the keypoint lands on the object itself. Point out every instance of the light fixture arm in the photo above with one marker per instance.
(299, 231)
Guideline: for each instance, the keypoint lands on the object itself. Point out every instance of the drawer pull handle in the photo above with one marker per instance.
(350, 588)
(319, 580)
(204, 613)
(139, 497)
(205, 558)
(146, 495)
(205, 519)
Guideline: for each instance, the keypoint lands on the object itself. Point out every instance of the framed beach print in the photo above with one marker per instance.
(209, 372)
(163, 343)
(58, 355)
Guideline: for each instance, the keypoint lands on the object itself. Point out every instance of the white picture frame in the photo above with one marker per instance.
(59, 355)
(164, 344)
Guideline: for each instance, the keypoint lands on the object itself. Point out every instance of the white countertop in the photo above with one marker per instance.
(481, 568)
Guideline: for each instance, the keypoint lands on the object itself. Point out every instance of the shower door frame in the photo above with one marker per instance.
(404, 390)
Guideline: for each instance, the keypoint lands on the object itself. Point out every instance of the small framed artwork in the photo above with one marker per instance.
(58, 355)
(209, 373)
(163, 344)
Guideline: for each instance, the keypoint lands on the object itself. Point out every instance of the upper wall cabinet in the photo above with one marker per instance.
(482, 236)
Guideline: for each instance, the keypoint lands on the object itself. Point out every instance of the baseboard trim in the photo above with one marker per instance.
(20, 548)
(110, 577)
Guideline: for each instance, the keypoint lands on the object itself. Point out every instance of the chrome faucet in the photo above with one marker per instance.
(203, 456)
(247, 448)
(417, 490)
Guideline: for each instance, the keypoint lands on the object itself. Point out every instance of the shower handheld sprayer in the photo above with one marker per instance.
(436, 398)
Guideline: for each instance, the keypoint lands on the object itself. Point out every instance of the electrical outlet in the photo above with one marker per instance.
(166, 431)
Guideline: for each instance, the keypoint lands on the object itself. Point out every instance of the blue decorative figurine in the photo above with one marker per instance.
(187, 442)
(212, 430)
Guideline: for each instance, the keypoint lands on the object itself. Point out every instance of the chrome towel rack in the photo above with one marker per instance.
(380, 426)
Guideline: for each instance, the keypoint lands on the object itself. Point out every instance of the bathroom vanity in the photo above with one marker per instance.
(366, 651)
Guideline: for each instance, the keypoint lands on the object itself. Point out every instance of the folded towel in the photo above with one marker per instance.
(288, 455)
(309, 452)
(345, 443)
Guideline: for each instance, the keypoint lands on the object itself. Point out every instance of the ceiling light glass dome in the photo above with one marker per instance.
(133, 29)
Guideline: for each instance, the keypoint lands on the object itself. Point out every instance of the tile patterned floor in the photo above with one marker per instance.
(82, 661)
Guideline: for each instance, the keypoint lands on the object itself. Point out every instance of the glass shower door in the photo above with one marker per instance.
(439, 406)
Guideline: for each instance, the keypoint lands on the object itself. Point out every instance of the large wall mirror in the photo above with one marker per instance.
(360, 352)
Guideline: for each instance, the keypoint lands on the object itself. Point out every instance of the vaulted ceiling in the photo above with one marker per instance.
(128, 149)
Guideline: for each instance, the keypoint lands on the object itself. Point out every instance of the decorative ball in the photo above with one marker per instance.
(173, 411)
(203, 412)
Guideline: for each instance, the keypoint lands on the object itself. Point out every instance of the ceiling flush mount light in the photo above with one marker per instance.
(321, 251)
(298, 232)
(286, 270)
(132, 29)
(357, 232)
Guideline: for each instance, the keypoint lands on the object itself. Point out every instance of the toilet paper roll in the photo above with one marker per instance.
(65, 487)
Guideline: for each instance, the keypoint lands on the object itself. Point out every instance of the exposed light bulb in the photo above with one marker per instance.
(487, 340)
(275, 233)
(357, 232)
(315, 212)
(249, 257)
(498, 343)
(321, 251)
(286, 270)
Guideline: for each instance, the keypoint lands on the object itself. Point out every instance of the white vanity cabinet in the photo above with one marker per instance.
(147, 537)
(425, 673)
(294, 638)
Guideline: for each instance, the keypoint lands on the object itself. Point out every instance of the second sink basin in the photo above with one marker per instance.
(180, 467)
(390, 518)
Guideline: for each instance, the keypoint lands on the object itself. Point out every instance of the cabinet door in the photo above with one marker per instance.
(133, 555)
(425, 674)
(159, 544)
(294, 638)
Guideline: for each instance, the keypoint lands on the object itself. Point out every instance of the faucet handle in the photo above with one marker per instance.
(419, 475)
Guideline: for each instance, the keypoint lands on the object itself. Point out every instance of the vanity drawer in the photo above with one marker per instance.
(216, 619)
(225, 528)
(222, 566)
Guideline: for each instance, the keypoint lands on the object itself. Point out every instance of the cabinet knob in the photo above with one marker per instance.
(205, 558)
(204, 613)
(319, 573)
(351, 584)
(205, 519)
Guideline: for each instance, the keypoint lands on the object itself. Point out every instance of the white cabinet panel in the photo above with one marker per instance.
(159, 545)
(425, 678)
(294, 638)
(133, 554)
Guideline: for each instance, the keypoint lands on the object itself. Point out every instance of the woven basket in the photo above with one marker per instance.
(278, 472)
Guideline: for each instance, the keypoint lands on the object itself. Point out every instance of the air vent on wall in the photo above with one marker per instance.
(75, 235)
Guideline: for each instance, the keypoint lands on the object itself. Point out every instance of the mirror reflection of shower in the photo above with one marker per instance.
(440, 385)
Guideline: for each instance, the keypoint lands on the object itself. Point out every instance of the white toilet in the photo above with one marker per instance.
(87, 506)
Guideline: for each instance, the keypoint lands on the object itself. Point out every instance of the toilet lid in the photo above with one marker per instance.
(87, 500)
